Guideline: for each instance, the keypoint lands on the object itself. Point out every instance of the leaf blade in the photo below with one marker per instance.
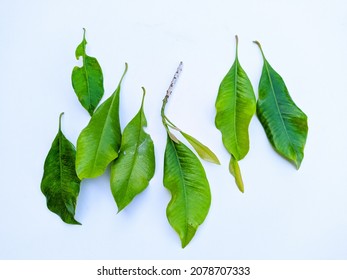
(98, 143)
(134, 168)
(87, 81)
(59, 183)
(285, 124)
(186, 180)
(203, 151)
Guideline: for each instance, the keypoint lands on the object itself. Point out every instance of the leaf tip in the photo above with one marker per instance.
(70, 220)
(185, 241)
(297, 164)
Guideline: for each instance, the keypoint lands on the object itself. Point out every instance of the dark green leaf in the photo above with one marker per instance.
(60, 183)
(185, 178)
(99, 142)
(235, 107)
(284, 123)
(87, 80)
(134, 168)
(203, 151)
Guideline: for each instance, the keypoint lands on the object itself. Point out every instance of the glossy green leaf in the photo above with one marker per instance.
(87, 81)
(134, 168)
(235, 106)
(203, 151)
(99, 142)
(60, 183)
(185, 178)
(284, 123)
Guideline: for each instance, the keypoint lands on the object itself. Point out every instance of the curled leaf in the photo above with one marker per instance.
(284, 122)
(87, 81)
(60, 183)
(99, 142)
(134, 168)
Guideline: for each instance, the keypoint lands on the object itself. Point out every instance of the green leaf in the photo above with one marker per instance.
(60, 183)
(203, 151)
(236, 172)
(235, 106)
(284, 123)
(134, 168)
(87, 81)
(99, 142)
(185, 178)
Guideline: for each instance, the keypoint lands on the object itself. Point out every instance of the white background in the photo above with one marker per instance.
(284, 213)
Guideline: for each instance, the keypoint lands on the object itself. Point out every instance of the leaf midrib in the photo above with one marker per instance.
(235, 101)
(184, 188)
(135, 155)
(277, 106)
(87, 76)
(103, 129)
(60, 161)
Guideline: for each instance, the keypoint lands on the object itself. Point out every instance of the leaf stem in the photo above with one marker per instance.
(165, 120)
(143, 96)
(84, 34)
(259, 45)
(61, 114)
(237, 45)
(125, 71)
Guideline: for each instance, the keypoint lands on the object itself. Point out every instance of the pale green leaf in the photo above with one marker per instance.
(185, 178)
(60, 183)
(87, 80)
(134, 168)
(99, 142)
(203, 151)
(236, 172)
(284, 122)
